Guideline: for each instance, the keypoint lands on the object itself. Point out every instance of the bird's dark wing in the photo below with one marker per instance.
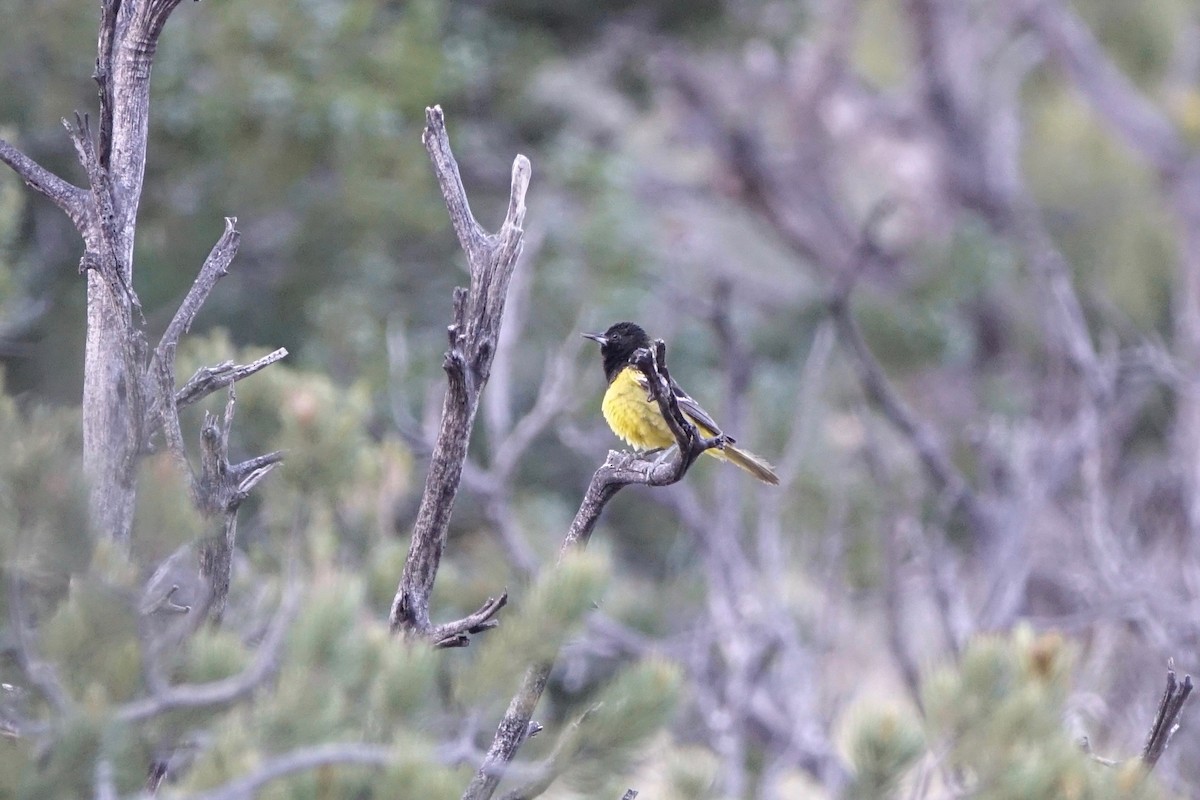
(686, 404)
(690, 407)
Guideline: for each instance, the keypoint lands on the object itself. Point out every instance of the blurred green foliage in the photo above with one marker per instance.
(885, 745)
(1000, 713)
(993, 729)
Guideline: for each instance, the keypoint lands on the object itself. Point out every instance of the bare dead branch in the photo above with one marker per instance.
(568, 744)
(1166, 721)
(160, 374)
(102, 74)
(163, 378)
(129, 46)
(215, 267)
(113, 390)
(300, 760)
(114, 405)
(471, 235)
(511, 733)
(620, 469)
(249, 472)
(220, 489)
(211, 379)
(478, 313)
(227, 690)
(497, 403)
(155, 14)
(454, 634)
(70, 198)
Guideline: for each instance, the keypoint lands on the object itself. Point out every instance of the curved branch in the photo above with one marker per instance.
(619, 470)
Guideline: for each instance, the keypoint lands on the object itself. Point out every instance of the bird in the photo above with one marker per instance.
(635, 417)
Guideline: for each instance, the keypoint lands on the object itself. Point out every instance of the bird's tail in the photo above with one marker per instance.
(755, 465)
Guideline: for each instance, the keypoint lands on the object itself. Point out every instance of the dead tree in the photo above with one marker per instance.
(129, 391)
(130, 398)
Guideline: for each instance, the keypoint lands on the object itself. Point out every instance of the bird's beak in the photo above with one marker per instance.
(596, 337)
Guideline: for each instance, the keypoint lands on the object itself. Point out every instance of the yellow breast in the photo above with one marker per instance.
(632, 417)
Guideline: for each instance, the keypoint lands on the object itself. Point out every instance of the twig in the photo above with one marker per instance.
(1166, 721)
(300, 760)
(211, 379)
(620, 469)
(454, 634)
(67, 196)
(215, 267)
(478, 313)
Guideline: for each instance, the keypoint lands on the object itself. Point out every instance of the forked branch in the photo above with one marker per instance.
(478, 312)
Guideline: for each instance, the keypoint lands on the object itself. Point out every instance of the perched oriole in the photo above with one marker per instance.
(636, 418)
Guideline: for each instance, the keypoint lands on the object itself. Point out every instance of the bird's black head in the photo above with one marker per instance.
(617, 344)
